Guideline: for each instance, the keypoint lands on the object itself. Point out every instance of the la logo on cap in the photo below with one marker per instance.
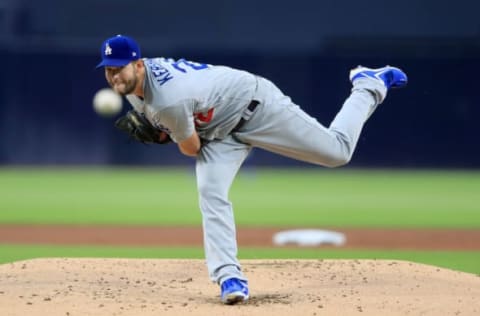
(108, 50)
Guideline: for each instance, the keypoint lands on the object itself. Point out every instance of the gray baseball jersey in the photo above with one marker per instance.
(181, 96)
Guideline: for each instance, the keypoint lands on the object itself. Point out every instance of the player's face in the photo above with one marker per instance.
(122, 79)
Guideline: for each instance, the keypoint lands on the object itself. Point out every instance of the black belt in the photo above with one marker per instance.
(251, 107)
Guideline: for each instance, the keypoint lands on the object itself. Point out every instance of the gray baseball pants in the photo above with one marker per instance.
(280, 126)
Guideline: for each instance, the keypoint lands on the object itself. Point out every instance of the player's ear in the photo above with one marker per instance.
(138, 64)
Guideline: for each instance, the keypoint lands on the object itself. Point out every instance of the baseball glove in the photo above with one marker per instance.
(139, 128)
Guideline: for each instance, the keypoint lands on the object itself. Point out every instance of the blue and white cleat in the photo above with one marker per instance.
(234, 291)
(391, 77)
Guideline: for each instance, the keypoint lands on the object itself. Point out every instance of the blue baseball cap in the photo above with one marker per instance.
(118, 51)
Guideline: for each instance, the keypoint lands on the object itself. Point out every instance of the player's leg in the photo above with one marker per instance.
(282, 127)
(217, 164)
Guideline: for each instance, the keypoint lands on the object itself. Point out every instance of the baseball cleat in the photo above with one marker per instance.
(391, 77)
(234, 291)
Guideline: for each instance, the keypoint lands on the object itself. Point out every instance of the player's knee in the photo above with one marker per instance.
(213, 200)
(341, 154)
(205, 189)
(209, 189)
(338, 161)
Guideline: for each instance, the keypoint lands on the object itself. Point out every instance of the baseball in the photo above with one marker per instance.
(107, 102)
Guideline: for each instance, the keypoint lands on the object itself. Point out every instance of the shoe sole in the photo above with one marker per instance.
(360, 69)
(234, 298)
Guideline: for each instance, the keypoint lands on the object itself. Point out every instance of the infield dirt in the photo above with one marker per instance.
(367, 238)
(278, 287)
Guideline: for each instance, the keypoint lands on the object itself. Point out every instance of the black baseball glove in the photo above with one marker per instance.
(139, 128)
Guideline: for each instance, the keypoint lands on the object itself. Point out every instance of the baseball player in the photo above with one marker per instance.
(217, 115)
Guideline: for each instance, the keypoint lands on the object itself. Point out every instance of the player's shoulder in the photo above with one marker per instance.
(159, 60)
(166, 61)
(157, 63)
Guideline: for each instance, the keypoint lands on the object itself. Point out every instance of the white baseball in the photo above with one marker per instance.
(107, 102)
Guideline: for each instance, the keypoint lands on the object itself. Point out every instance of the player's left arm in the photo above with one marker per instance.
(178, 120)
(190, 146)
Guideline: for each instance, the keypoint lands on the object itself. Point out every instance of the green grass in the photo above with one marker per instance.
(261, 197)
(312, 197)
(458, 260)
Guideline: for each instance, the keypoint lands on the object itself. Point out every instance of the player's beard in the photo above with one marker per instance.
(125, 87)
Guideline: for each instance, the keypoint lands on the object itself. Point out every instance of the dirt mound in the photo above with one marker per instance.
(278, 287)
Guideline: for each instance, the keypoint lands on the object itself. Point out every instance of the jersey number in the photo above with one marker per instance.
(182, 64)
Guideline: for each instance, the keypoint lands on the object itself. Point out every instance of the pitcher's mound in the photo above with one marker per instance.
(278, 287)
